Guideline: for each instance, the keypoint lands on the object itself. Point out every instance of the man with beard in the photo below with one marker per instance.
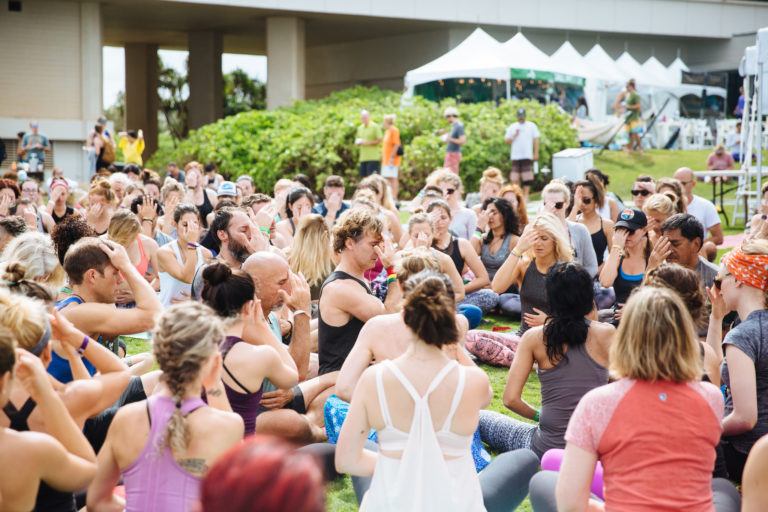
(236, 238)
(95, 269)
(686, 237)
(297, 413)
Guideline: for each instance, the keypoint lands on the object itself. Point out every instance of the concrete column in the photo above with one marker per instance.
(285, 61)
(91, 88)
(141, 100)
(206, 84)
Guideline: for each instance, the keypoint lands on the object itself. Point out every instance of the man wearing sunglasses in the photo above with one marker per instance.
(642, 188)
(703, 210)
(556, 198)
(455, 138)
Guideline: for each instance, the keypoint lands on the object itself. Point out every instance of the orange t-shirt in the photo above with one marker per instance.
(389, 146)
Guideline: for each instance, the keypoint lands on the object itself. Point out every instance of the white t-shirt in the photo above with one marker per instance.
(704, 211)
(522, 147)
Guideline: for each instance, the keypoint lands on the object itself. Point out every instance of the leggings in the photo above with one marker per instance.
(473, 314)
(485, 299)
(542, 489)
(504, 434)
(504, 482)
(509, 305)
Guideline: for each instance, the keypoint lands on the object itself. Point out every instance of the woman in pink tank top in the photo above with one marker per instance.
(654, 430)
(163, 446)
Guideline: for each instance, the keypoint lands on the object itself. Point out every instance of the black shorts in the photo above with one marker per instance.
(95, 428)
(369, 167)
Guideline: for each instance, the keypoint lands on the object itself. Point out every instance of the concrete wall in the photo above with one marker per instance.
(382, 61)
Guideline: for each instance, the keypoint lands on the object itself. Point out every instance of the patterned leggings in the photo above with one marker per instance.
(485, 299)
(504, 434)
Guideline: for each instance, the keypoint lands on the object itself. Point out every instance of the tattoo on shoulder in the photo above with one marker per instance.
(195, 466)
(213, 392)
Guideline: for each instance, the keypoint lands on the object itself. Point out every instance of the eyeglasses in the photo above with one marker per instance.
(586, 200)
(449, 191)
(641, 193)
(686, 183)
(449, 116)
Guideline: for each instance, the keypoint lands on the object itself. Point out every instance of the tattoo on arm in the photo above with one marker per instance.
(194, 466)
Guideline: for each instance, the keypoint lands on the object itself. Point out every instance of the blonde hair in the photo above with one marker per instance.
(24, 317)
(553, 227)
(390, 117)
(311, 250)
(656, 339)
(555, 187)
(102, 187)
(492, 175)
(169, 186)
(36, 252)
(414, 261)
(124, 227)
(186, 335)
(450, 177)
(381, 184)
(660, 203)
(676, 196)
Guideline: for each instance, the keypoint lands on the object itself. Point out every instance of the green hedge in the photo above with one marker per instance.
(316, 138)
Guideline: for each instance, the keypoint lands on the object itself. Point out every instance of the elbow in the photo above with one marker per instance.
(510, 402)
(344, 391)
(498, 286)
(743, 423)
(717, 239)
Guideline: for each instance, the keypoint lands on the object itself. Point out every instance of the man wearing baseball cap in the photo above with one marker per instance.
(455, 138)
(523, 136)
(227, 190)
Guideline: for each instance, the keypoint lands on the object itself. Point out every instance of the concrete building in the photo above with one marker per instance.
(51, 58)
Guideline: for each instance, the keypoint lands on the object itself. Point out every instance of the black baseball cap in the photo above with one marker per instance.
(631, 219)
(521, 112)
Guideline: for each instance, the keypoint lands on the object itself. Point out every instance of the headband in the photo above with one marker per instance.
(43, 342)
(750, 269)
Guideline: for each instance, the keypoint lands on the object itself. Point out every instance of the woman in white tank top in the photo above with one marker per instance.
(179, 260)
(425, 409)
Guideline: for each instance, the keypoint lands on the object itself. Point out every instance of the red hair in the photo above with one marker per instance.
(6, 183)
(263, 474)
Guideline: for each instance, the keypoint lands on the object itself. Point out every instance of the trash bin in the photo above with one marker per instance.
(572, 163)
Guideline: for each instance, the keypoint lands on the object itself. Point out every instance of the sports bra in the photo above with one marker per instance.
(395, 440)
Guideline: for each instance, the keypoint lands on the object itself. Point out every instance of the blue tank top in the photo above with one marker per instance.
(59, 367)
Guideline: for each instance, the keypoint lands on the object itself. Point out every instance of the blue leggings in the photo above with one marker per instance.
(473, 313)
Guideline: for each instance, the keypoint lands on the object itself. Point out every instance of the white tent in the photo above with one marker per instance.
(519, 53)
(675, 70)
(568, 60)
(606, 67)
(632, 69)
(475, 57)
(658, 72)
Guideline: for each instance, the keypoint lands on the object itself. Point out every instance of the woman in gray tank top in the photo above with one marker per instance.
(572, 355)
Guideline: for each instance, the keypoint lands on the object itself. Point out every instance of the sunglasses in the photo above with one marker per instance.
(559, 205)
(449, 116)
(449, 191)
(641, 193)
(718, 281)
(586, 200)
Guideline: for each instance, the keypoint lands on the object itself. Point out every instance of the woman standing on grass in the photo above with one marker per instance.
(571, 354)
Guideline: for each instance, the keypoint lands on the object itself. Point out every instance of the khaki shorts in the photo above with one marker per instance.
(522, 171)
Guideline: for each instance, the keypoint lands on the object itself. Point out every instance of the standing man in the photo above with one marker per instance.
(173, 171)
(368, 137)
(629, 99)
(703, 210)
(333, 203)
(523, 136)
(390, 160)
(35, 145)
(454, 139)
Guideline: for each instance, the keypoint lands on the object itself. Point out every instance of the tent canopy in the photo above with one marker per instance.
(604, 65)
(527, 61)
(476, 56)
(675, 70)
(568, 60)
(658, 72)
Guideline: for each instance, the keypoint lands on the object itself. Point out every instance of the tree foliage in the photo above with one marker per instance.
(316, 138)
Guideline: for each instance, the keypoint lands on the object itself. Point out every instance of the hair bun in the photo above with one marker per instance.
(216, 274)
(14, 272)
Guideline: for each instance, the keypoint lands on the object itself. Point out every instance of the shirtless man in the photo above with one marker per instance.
(296, 413)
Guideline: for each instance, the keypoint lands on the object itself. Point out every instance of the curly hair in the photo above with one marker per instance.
(511, 223)
(354, 224)
(66, 233)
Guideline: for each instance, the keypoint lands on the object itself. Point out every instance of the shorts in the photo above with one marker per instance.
(96, 427)
(522, 170)
(389, 171)
(635, 126)
(296, 404)
(369, 167)
(451, 161)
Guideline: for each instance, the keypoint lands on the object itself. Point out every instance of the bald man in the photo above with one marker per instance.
(704, 211)
(297, 413)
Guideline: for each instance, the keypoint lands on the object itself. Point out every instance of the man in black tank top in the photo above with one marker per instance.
(346, 302)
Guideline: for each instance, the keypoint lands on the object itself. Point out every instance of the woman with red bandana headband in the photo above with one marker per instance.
(741, 286)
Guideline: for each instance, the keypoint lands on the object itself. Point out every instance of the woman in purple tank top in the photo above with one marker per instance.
(250, 352)
(163, 446)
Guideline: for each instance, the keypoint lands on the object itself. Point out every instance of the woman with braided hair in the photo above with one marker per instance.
(163, 446)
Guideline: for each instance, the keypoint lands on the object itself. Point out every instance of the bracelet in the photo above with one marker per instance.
(83, 345)
(192, 245)
(147, 219)
(619, 249)
(515, 254)
(391, 278)
(300, 312)
(390, 270)
(479, 234)
(536, 416)
(265, 230)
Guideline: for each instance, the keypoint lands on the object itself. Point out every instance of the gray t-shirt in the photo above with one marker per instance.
(751, 337)
(463, 223)
(456, 131)
(582, 244)
(707, 271)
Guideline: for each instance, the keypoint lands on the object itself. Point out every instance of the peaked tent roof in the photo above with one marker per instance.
(519, 53)
(630, 66)
(604, 65)
(675, 69)
(568, 60)
(475, 57)
(658, 71)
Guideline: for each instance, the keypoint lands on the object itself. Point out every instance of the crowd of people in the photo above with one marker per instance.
(288, 319)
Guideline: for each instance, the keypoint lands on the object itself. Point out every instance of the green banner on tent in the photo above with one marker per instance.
(545, 76)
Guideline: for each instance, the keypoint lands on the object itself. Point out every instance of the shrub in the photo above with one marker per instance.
(316, 137)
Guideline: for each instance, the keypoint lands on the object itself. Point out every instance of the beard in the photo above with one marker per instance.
(239, 251)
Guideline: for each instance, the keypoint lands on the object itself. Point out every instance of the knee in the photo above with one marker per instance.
(473, 314)
(541, 490)
(709, 251)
